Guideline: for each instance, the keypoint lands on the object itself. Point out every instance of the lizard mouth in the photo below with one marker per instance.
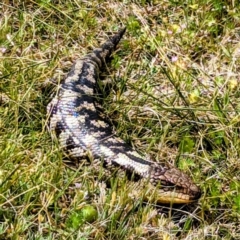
(172, 194)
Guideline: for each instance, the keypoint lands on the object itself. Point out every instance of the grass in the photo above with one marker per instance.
(175, 90)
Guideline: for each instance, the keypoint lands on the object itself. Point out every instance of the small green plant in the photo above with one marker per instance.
(87, 214)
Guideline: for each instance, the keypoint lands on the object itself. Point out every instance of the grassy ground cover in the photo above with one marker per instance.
(174, 97)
